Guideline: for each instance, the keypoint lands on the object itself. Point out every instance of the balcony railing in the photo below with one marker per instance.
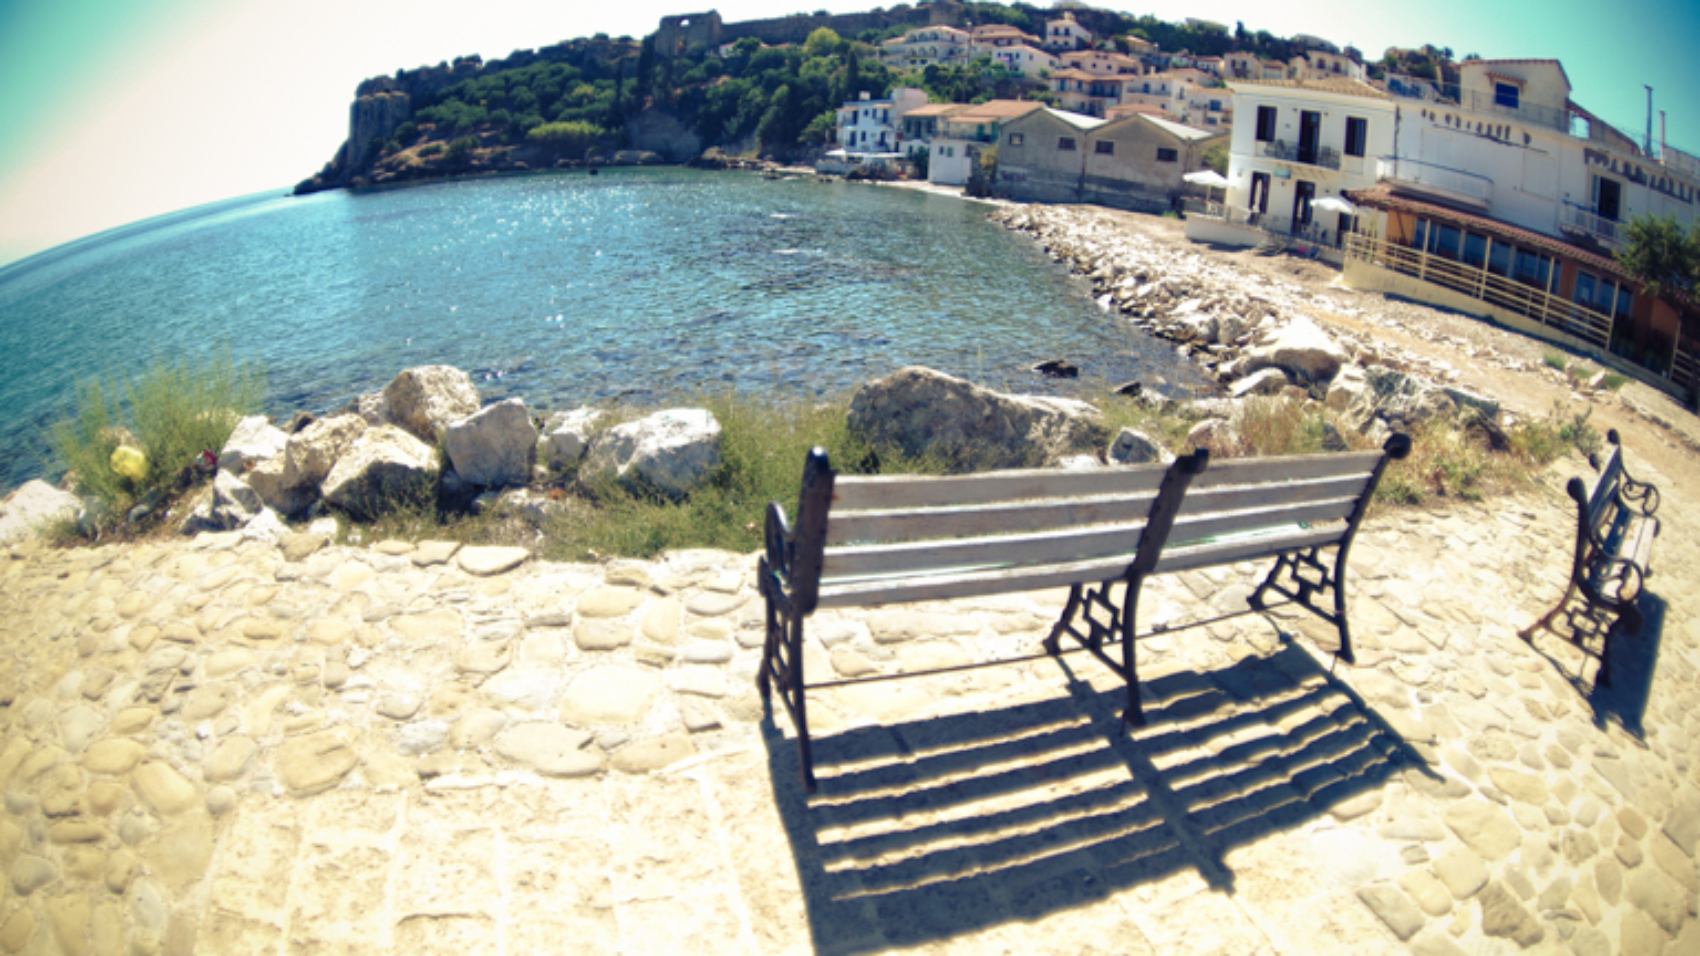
(1589, 222)
(1547, 116)
(1451, 183)
(1551, 311)
(1680, 161)
(1326, 156)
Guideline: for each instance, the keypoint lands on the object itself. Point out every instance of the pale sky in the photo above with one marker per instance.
(112, 111)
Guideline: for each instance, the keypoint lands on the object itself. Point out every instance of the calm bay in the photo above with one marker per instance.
(562, 289)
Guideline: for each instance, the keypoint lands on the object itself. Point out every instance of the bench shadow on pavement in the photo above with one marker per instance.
(929, 829)
(1575, 642)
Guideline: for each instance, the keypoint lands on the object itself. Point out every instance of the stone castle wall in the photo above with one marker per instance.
(686, 32)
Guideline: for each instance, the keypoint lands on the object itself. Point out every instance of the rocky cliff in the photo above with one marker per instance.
(383, 103)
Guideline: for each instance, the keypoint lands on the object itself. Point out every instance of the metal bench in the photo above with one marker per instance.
(1615, 528)
(871, 541)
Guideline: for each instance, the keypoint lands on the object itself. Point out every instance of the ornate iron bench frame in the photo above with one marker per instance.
(1615, 528)
(902, 539)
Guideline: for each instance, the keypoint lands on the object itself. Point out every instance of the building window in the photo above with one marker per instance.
(1505, 94)
(1104, 148)
(1016, 139)
(1166, 155)
(1357, 135)
(1065, 144)
(1266, 124)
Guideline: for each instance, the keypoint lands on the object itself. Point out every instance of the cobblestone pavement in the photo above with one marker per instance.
(223, 746)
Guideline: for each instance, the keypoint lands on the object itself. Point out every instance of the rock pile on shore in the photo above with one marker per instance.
(1241, 326)
(426, 437)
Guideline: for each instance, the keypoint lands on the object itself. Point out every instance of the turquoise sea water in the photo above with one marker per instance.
(562, 289)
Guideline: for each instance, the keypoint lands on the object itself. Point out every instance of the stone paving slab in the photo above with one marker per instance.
(221, 746)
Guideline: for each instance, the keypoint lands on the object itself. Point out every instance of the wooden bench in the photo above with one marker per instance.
(1615, 528)
(871, 541)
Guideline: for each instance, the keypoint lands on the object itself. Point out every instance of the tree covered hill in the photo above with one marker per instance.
(590, 98)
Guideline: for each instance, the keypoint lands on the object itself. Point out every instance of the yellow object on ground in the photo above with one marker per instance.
(130, 463)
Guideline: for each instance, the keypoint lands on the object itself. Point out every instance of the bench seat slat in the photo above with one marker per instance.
(1192, 529)
(859, 493)
(1246, 471)
(871, 527)
(1233, 497)
(1003, 550)
(1253, 549)
(904, 590)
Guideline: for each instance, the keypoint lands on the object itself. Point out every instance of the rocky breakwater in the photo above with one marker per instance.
(426, 439)
(1259, 337)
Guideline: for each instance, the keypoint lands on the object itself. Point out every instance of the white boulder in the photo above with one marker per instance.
(671, 450)
(426, 399)
(567, 437)
(920, 411)
(253, 440)
(1269, 381)
(1301, 349)
(493, 447)
(32, 507)
(290, 482)
(383, 465)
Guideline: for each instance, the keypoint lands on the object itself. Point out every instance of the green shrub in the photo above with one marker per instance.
(172, 412)
(461, 149)
(1613, 381)
(1555, 360)
(431, 149)
(570, 138)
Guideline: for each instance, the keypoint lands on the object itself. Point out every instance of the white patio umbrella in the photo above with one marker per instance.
(1209, 179)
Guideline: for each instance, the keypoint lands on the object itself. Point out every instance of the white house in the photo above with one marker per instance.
(1001, 34)
(921, 48)
(1065, 34)
(1299, 141)
(868, 125)
(1025, 60)
(1321, 64)
(1102, 63)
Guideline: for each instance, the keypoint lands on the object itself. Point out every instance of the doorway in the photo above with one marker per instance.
(1303, 193)
(1608, 198)
(1310, 135)
(1259, 195)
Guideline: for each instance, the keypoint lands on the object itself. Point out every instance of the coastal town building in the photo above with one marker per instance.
(928, 46)
(1510, 199)
(1085, 93)
(1102, 63)
(1136, 162)
(1025, 60)
(963, 134)
(868, 125)
(1065, 34)
(1002, 34)
(924, 124)
(1321, 64)
(1296, 142)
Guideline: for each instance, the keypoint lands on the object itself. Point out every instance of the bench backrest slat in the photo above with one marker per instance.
(1197, 528)
(1185, 557)
(872, 527)
(1236, 497)
(887, 493)
(999, 551)
(1241, 471)
(1605, 490)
